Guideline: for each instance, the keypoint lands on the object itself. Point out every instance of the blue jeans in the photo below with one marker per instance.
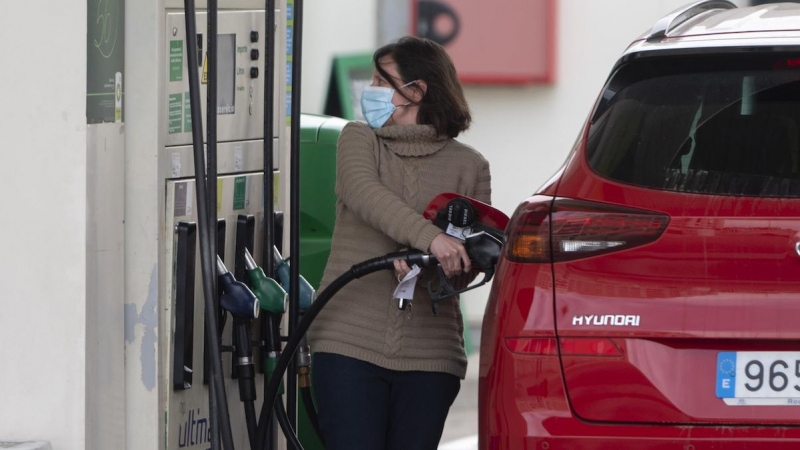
(363, 406)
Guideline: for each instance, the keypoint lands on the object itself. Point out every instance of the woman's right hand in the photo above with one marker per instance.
(451, 254)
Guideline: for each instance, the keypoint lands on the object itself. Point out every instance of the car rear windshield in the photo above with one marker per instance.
(715, 124)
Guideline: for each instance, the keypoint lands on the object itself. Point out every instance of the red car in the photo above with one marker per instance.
(649, 294)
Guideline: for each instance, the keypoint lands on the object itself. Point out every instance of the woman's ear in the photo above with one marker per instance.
(419, 90)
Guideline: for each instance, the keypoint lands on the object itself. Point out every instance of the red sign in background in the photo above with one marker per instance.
(492, 41)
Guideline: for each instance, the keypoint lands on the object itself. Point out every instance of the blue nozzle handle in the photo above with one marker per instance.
(237, 298)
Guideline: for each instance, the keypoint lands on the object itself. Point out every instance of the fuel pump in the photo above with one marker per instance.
(237, 298)
(478, 225)
(219, 66)
(208, 106)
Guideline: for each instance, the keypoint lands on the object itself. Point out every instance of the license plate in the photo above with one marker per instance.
(759, 378)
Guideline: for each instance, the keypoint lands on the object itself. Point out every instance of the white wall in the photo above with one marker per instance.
(43, 221)
(332, 28)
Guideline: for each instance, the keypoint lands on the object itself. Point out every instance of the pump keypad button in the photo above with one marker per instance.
(254, 36)
(254, 54)
(254, 72)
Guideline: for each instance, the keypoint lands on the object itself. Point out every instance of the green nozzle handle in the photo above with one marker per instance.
(271, 295)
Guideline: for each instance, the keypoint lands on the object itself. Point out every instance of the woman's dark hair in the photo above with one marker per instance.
(443, 106)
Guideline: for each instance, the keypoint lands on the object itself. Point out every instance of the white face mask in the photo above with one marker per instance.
(377, 106)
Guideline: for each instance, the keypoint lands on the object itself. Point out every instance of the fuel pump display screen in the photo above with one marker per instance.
(226, 73)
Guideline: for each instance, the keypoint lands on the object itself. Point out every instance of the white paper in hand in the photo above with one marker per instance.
(405, 289)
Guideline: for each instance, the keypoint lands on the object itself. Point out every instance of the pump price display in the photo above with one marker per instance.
(758, 378)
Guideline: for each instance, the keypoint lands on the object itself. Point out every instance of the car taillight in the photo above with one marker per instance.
(528, 232)
(544, 229)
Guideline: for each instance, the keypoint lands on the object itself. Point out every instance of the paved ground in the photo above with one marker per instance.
(461, 428)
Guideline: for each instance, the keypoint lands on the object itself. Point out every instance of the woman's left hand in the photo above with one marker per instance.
(401, 269)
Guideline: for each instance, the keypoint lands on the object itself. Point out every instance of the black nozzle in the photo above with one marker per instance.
(245, 366)
(483, 250)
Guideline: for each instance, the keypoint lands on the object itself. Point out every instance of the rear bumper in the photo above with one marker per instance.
(523, 402)
(620, 442)
(523, 406)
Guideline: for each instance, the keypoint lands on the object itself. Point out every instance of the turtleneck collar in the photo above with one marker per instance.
(411, 140)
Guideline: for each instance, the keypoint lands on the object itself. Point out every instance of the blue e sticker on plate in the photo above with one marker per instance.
(726, 375)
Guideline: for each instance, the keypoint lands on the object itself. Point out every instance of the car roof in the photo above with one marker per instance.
(720, 24)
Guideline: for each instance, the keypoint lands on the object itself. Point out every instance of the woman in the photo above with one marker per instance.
(385, 378)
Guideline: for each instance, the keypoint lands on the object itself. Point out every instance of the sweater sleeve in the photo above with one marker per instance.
(483, 184)
(359, 187)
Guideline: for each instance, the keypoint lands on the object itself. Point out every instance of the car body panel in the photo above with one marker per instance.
(724, 276)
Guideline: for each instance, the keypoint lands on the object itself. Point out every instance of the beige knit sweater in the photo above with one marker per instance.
(384, 180)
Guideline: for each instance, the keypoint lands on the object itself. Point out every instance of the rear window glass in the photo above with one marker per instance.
(723, 124)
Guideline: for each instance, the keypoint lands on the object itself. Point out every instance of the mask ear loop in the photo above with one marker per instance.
(406, 85)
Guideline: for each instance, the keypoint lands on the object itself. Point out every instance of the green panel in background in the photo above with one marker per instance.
(318, 136)
(349, 75)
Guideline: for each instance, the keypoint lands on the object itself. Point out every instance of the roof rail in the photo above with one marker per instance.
(676, 18)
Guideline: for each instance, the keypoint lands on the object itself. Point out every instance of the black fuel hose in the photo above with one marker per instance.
(294, 198)
(272, 348)
(211, 134)
(211, 164)
(251, 420)
(311, 410)
(267, 261)
(291, 436)
(246, 371)
(304, 383)
(213, 415)
(359, 270)
(218, 406)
